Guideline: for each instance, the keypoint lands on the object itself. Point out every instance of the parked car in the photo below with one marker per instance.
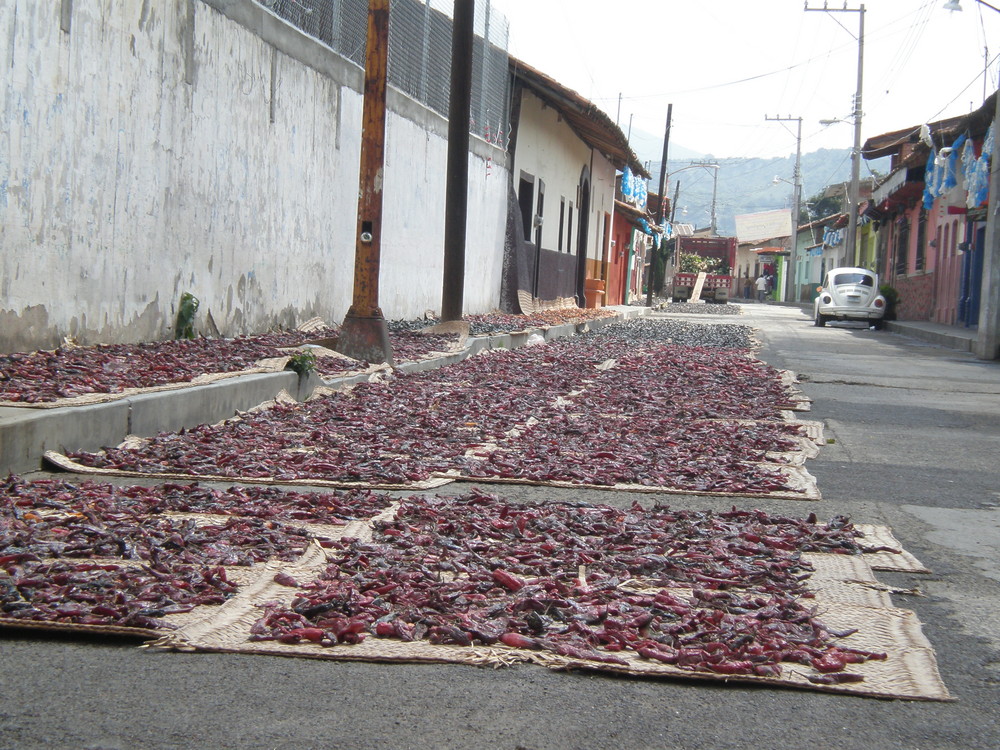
(849, 294)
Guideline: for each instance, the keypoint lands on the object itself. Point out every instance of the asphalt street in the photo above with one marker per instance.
(914, 435)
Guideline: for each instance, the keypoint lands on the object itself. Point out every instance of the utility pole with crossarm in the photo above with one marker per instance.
(791, 294)
(855, 189)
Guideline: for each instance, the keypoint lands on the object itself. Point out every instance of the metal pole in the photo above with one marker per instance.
(790, 290)
(852, 218)
(364, 334)
(715, 192)
(457, 188)
(673, 213)
(796, 207)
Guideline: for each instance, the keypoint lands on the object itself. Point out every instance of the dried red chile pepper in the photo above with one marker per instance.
(475, 570)
(541, 413)
(95, 554)
(66, 372)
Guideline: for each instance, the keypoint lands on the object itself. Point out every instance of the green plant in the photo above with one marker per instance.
(184, 326)
(891, 295)
(690, 263)
(302, 362)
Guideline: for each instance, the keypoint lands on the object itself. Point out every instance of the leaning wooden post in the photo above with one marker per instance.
(457, 186)
(364, 334)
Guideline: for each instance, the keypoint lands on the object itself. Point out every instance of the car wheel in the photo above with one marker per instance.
(878, 324)
(820, 320)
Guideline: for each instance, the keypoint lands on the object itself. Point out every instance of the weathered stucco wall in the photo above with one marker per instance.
(548, 149)
(205, 146)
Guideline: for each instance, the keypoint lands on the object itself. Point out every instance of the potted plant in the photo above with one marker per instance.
(891, 301)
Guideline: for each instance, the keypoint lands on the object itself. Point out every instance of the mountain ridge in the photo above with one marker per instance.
(745, 184)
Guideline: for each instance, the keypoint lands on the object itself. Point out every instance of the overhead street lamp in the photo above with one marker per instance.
(956, 5)
(715, 184)
(796, 183)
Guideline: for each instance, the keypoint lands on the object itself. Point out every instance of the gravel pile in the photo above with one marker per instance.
(490, 324)
(697, 309)
(678, 332)
(401, 326)
(476, 327)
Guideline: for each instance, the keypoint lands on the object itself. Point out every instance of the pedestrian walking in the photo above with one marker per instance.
(762, 285)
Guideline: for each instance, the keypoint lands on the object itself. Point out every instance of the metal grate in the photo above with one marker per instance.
(902, 245)
(419, 51)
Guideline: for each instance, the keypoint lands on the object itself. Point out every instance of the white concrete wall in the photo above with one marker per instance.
(548, 149)
(144, 157)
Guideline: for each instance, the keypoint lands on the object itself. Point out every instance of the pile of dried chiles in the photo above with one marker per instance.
(719, 592)
(716, 592)
(95, 554)
(70, 371)
(598, 410)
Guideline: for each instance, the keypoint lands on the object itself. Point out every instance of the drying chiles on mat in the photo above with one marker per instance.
(647, 592)
(122, 558)
(74, 375)
(595, 412)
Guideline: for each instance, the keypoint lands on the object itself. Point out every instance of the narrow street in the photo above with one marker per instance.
(912, 443)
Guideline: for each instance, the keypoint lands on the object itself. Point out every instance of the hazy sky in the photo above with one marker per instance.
(726, 64)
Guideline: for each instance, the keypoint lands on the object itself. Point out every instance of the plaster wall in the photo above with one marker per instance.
(207, 146)
(548, 149)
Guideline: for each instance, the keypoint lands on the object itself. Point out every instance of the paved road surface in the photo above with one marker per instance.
(917, 447)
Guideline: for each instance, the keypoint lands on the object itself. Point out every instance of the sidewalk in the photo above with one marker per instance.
(950, 337)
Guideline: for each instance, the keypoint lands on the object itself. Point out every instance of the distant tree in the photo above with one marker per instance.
(821, 205)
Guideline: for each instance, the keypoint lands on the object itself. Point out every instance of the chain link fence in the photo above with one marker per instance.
(419, 51)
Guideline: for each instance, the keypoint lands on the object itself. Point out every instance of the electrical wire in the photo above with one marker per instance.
(966, 88)
(911, 41)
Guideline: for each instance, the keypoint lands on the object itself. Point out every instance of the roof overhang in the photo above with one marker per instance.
(630, 211)
(943, 132)
(587, 120)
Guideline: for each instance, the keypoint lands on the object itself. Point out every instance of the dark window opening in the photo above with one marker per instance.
(569, 228)
(562, 218)
(525, 195)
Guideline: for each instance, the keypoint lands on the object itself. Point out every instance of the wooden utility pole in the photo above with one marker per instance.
(364, 334)
(457, 187)
(663, 204)
(663, 166)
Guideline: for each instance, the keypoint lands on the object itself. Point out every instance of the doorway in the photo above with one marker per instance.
(583, 236)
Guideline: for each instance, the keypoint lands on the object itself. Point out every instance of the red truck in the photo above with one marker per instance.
(715, 287)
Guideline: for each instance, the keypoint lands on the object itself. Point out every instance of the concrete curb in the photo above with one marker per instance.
(959, 340)
(25, 433)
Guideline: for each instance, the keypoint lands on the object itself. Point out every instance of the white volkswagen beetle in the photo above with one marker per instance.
(849, 294)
